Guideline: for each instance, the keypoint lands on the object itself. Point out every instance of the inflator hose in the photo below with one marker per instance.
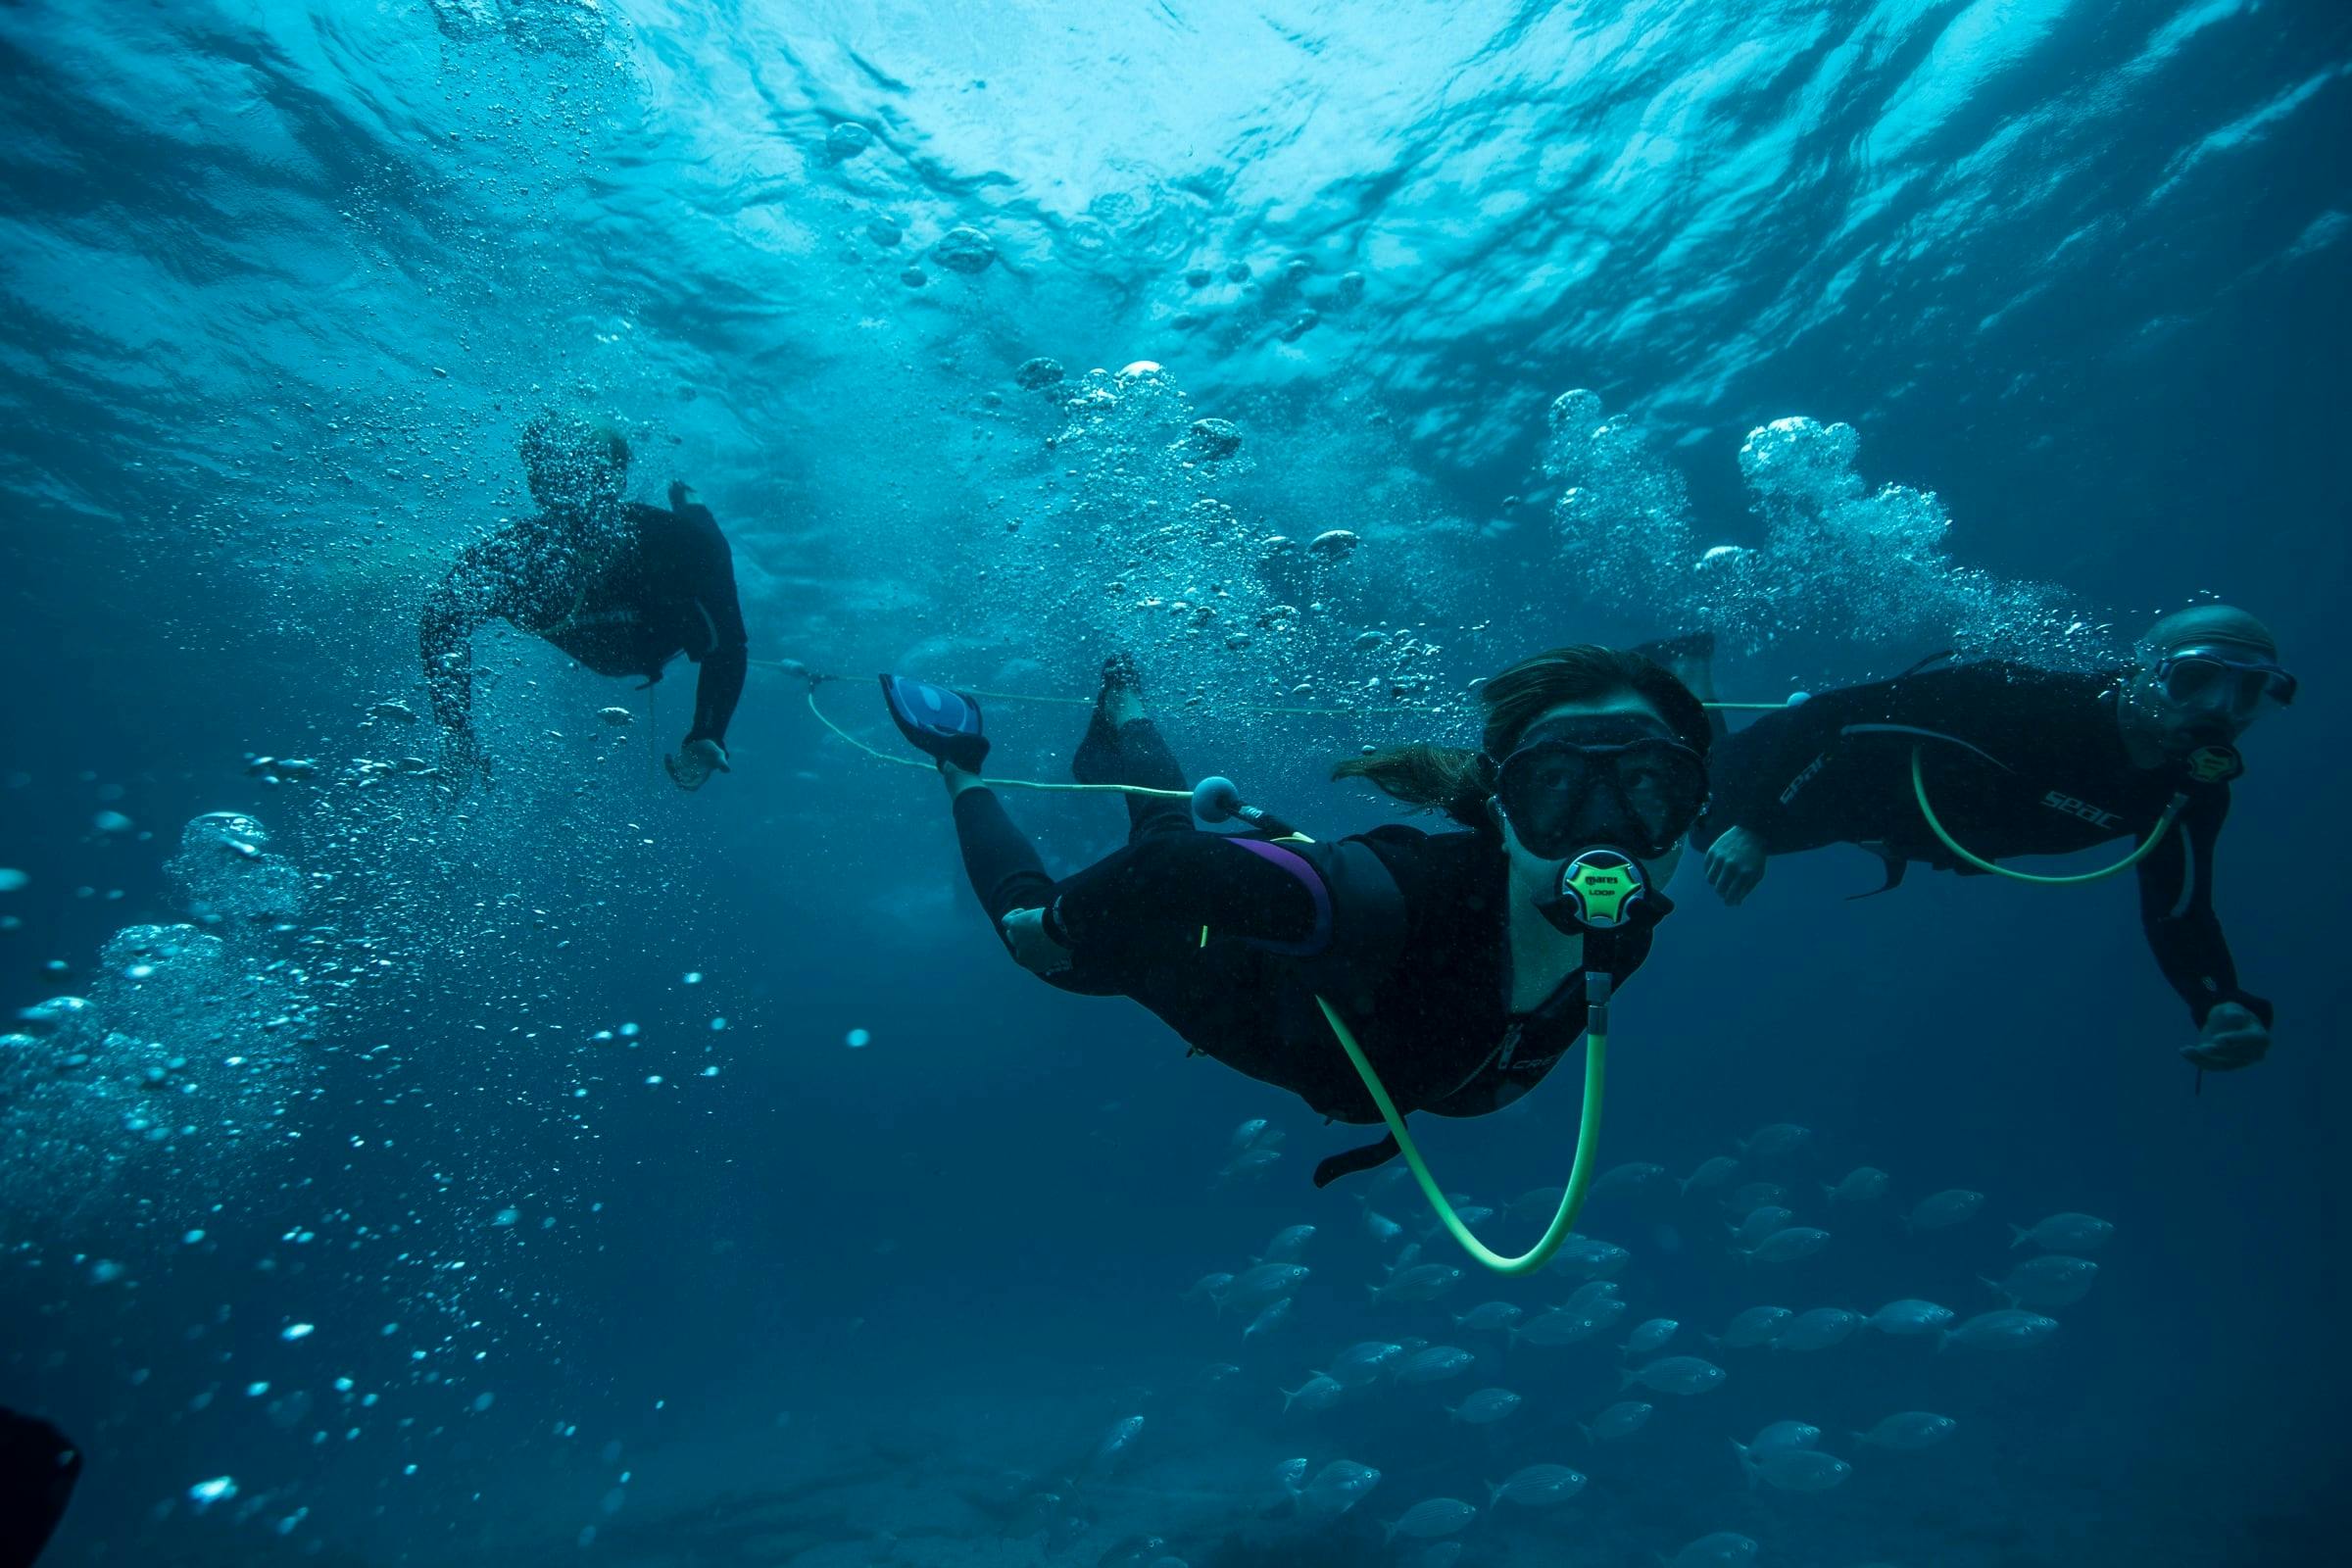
(1580, 1175)
(2164, 826)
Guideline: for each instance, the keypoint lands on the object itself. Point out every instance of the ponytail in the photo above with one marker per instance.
(1451, 779)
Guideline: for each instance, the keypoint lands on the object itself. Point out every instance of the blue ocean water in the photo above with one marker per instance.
(600, 1173)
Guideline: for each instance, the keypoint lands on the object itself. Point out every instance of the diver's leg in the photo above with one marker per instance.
(1000, 861)
(1122, 746)
(1690, 660)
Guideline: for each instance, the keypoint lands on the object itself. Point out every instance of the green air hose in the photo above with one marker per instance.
(2164, 826)
(1588, 1139)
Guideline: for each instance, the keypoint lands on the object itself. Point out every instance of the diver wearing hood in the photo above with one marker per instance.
(621, 587)
(1459, 960)
(2018, 761)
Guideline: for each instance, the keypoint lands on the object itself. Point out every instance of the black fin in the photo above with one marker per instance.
(1348, 1161)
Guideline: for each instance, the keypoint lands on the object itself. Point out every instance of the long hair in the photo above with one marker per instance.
(1457, 781)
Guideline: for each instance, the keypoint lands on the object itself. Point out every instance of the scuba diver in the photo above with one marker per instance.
(620, 586)
(1467, 963)
(38, 1467)
(1963, 764)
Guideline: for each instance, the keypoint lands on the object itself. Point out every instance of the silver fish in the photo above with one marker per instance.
(1775, 1142)
(1761, 1223)
(1589, 1295)
(1246, 1135)
(1562, 1327)
(1381, 1228)
(1792, 1469)
(1722, 1549)
(1424, 1282)
(1651, 1336)
(1536, 1203)
(1484, 1407)
(1249, 1163)
(1339, 1487)
(1711, 1173)
(1675, 1374)
(2051, 1280)
(1438, 1362)
(1288, 1244)
(1538, 1486)
(1786, 1247)
(1909, 1429)
(1864, 1183)
(1753, 1195)
(1264, 1283)
(1758, 1324)
(1207, 1288)
(1429, 1519)
(1627, 1178)
(1116, 1441)
(1274, 1316)
(1292, 1473)
(1489, 1316)
(2063, 1233)
(1950, 1206)
(1620, 1420)
(2004, 1330)
(1818, 1329)
(1363, 1363)
(1589, 1258)
(1910, 1315)
(1320, 1391)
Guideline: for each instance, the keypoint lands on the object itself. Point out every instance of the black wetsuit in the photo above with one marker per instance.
(2017, 760)
(1418, 967)
(38, 1467)
(665, 586)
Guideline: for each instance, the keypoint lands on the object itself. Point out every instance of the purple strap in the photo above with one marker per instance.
(1298, 866)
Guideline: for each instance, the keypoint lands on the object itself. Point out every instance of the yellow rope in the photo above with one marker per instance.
(794, 667)
(992, 783)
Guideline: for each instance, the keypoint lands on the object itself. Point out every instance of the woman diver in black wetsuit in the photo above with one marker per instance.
(1463, 962)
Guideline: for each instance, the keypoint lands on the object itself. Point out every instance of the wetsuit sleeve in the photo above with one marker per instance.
(1798, 779)
(481, 587)
(705, 577)
(2176, 907)
(1166, 890)
(1762, 770)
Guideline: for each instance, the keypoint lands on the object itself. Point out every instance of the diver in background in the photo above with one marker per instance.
(620, 586)
(38, 1467)
(2019, 761)
(1461, 960)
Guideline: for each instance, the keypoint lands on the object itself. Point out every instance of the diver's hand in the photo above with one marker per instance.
(1735, 865)
(1033, 950)
(680, 496)
(2232, 1037)
(695, 763)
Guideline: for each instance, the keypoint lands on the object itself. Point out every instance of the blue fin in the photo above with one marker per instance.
(936, 721)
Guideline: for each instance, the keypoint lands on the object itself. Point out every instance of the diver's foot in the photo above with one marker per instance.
(1118, 701)
(1691, 658)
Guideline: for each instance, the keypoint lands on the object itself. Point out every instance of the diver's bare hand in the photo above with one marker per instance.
(1735, 865)
(2232, 1037)
(1032, 949)
(695, 763)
